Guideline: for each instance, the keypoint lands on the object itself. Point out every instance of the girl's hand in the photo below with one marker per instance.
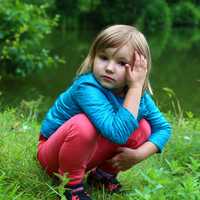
(136, 72)
(125, 158)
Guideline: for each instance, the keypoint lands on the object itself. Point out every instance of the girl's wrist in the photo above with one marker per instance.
(141, 155)
(136, 87)
(135, 84)
(146, 150)
(137, 156)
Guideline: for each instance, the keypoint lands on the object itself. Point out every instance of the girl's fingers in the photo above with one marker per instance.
(129, 67)
(140, 61)
(144, 62)
(137, 59)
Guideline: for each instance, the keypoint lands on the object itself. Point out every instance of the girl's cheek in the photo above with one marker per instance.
(123, 75)
(102, 62)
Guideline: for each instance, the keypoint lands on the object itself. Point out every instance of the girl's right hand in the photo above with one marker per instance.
(136, 72)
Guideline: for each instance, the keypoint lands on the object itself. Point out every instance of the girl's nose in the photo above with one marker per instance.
(110, 67)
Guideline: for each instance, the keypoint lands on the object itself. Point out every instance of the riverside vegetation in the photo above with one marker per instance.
(172, 175)
(25, 25)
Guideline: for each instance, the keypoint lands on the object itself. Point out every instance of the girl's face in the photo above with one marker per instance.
(109, 67)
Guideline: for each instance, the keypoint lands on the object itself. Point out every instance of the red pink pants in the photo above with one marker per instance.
(77, 147)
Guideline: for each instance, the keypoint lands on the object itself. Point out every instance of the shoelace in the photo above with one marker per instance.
(113, 187)
(76, 197)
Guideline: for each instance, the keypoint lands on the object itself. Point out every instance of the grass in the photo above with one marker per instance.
(172, 175)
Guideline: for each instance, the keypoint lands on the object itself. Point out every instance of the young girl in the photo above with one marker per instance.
(106, 121)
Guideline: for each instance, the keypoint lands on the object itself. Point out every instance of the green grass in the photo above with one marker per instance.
(172, 175)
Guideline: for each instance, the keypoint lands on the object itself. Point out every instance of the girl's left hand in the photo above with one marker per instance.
(125, 158)
(137, 71)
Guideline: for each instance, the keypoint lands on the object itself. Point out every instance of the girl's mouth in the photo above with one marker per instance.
(107, 78)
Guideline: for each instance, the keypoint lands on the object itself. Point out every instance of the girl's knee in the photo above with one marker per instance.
(145, 127)
(84, 128)
(140, 135)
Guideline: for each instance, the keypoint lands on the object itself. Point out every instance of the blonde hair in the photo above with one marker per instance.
(117, 36)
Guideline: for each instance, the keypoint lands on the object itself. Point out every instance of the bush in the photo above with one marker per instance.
(22, 29)
(115, 12)
(156, 16)
(185, 13)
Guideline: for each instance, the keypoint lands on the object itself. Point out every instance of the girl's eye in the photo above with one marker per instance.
(103, 57)
(122, 63)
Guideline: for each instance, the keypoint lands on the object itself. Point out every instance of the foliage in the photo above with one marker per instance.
(157, 16)
(103, 13)
(154, 14)
(118, 12)
(175, 103)
(69, 12)
(185, 39)
(175, 2)
(185, 13)
(88, 5)
(40, 2)
(22, 30)
(156, 19)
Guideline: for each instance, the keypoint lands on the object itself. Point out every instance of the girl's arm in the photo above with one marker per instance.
(127, 157)
(160, 127)
(132, 100)
(161, 131)
(135, 76)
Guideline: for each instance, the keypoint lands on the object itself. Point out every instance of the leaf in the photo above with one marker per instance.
(1, 35)
(169, 92)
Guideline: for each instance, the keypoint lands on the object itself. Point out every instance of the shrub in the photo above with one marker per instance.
(185, 13)
(156, 16)
(116, 12)
(22, 30)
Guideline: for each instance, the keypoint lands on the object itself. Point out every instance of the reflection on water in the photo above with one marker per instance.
(178, 69)
(175, 65)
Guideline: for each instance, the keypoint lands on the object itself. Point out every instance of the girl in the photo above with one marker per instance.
(106, 121)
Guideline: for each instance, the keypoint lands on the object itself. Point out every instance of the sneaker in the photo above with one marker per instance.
(110, 184)
(76, 193)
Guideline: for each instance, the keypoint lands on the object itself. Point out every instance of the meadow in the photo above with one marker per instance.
(172, 175)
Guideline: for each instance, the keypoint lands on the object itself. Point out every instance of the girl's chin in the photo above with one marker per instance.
(110, 87)
(107, 86)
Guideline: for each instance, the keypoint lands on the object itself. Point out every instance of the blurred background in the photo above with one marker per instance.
(43, 42)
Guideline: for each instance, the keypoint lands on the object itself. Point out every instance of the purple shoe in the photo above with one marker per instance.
(76, 193)
(111, 184)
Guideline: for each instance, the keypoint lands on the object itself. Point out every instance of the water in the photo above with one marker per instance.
(175, 65)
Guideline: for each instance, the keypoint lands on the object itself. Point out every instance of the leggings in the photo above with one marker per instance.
(76, 147)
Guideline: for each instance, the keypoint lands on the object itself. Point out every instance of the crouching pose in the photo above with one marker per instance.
(106, 121)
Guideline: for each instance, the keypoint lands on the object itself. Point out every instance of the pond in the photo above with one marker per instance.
(175, 65)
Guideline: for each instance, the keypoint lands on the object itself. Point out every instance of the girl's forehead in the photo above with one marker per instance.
(124, 51)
